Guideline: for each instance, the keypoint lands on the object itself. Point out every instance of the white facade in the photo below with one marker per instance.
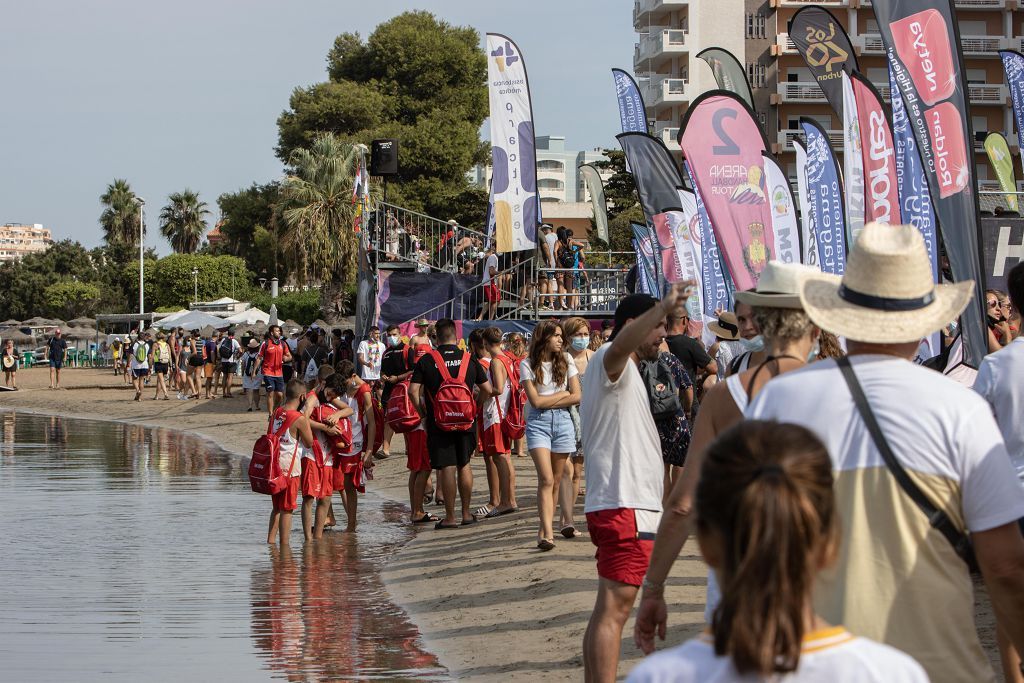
(670, 34)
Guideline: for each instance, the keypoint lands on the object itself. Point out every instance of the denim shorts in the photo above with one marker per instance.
(273, 383)
(551, 429)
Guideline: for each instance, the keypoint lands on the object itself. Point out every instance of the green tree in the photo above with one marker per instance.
(417, 79)
(70, 299)
(249, 224)
(169, 281)
(318, 216)
(623, 206)
(23, 283)
(120, 216)
(183, 221)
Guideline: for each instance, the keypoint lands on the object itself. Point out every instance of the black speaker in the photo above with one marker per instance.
(384, 157)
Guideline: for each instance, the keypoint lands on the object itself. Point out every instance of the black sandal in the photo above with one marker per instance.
(426, 519)
(545, 544)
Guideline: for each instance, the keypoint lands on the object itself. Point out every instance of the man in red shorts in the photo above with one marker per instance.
(270, 360)
(624, 471)
(492, 293)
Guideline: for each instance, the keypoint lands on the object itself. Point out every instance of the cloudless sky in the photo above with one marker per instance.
(182, 94)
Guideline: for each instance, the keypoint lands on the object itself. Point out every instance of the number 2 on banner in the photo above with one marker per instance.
(728, 147)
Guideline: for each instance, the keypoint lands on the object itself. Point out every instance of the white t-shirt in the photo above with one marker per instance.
(135, 363)
(1000, 381)
(544, 384)
(372, 353)
(289, 444)
(833, 655)
(624, 465)
(491, 262)
(356, 420)
(892, 564)
(550, 239)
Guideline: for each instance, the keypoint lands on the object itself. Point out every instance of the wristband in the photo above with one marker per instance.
(652, 587)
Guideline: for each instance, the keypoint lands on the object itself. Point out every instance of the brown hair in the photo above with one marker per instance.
(295, 388)
(517, 345)
(765, 496)
(542, 334)
(571, 326)
(345, 369)
(828, 346)
(492, 336)
(476, 342)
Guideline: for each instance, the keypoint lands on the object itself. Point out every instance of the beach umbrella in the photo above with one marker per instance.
(11, 323)
(80, 333)
(38, 322)
(83, 321)
(18, 337)
(322, 324)
(57, 321)
(207, 331)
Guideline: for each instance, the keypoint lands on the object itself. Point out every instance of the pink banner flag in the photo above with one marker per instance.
(723, 145)
(881, 201)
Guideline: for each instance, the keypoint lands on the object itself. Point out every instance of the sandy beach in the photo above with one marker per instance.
(486, 602)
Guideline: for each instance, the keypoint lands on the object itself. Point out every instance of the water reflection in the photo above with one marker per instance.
(151, 564)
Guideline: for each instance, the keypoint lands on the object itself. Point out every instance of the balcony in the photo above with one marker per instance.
(783, 45)
(668, 133)
(805, 91)
(644, 11)
(661, 43)
(808, 91)
(980, 4)
(665, 90)
(786, 139)
(804, 3)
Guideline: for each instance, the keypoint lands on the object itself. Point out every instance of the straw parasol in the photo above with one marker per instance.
(83, 321)
(207, 331)
(80, 333)
(11, 323)
(39, 322)
(18, 337)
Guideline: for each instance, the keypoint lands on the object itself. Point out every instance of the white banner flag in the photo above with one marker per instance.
(784, 225)
(853, 163)
(688, 251)
(809, 255)
(513, 150)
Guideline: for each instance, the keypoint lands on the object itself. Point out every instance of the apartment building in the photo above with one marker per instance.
(17, 239)
(558, 178)
(672, 32)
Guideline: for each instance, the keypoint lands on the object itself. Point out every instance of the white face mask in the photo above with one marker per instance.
(753, 345)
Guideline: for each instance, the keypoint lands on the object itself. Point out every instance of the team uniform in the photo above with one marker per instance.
(493, 440)
(447, 449)
(291, 456)
(273, 365)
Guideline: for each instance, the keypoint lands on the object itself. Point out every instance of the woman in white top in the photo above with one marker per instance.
(767, 523)
(550, 379)
(576, 332)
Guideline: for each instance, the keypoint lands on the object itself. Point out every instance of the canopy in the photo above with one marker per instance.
(224, 300)
(18, 337)
(193, 320)
(39, 322)
(11, 323)
(80, 333)
(171, 317)
(84, 321)
(248, 317)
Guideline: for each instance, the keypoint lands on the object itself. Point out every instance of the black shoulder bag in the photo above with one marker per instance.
(938, 519)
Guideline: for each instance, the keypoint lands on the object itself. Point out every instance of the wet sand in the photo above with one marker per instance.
(486, 602)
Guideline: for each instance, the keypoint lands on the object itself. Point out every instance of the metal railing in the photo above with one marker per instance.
(514, 284)
(581, 291)
(410, 240)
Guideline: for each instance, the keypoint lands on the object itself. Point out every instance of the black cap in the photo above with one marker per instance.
(632, 306)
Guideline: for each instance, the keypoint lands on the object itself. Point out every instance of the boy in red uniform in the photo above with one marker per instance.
(328, 418)
(270, 360)
(348, 386)
(296, 437)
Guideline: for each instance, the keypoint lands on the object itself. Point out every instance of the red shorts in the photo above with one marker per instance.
(492, 293)
(345, 464)
(494, 441)
(285, 501)
(316, 479)
(417, 457)
(621, 555)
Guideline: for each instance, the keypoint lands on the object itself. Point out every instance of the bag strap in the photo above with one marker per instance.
(442, 367)
(463, 368)
(937, 518)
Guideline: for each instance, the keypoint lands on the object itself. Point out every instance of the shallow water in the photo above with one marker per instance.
(133, 553)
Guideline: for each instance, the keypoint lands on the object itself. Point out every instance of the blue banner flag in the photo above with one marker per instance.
(715, 281)
(1013, 65)
(632, 114)
(824, 199)
(646, 280)
(911, 183)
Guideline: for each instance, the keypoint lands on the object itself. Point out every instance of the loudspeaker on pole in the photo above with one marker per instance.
(384, 157)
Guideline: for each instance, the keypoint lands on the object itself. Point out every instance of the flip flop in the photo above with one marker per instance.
(426, 519)
(442, 525)
(467, 522)
(544, 545)
(569, 531)
(483, 511)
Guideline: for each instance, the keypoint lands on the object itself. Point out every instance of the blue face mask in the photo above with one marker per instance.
(580, 343)
(812, 355)
(394, 341)
(753, 345)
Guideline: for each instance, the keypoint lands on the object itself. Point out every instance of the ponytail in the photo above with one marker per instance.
(765, 495)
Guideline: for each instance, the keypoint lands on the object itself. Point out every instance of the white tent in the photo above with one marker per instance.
(223, 301)
(248, 317)
(171, 317)
(194, 320)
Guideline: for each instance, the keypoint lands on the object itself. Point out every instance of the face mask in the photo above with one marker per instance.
(394, 341)
(813, 354)
(753, 345)
(580, 343)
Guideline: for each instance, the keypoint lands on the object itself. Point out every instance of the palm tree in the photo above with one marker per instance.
(318, 216)
(183, 221)
(120, 217)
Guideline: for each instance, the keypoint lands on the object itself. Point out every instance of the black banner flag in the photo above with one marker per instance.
(823, 43)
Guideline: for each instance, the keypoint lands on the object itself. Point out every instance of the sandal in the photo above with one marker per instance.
(483, 511)
(569, 531)
(545, 544)
(442, 525)
(426, 518)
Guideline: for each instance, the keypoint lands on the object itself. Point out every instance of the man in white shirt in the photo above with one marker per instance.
(492, 293)
(624, 471)
(1000, 380)
(898, 579)
(548, 284)
(369, 355)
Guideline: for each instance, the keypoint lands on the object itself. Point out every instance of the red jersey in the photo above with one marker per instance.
(273, 358)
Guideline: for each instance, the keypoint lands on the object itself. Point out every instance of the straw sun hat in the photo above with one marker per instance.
(887, 295)
(726, 327)
(778, 286)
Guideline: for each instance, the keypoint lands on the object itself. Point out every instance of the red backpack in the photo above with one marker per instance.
(339, 443)
(454, 408)
(265, 474)
(400, 414)
(513, 423)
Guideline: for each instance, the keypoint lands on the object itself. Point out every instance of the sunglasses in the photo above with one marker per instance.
(993, 304)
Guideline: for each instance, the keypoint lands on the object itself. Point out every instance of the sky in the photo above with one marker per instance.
(186, 94)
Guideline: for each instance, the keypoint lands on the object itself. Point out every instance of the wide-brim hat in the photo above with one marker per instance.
(778, 286)
(422, 322)
(727, 327)
(253, 344)
(887, 294)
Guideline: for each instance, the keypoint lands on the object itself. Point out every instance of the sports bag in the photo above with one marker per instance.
(513, 423)
(265, 475)
(310, 375)
(141, 351)
(662, 391)
(339, 443)
(401, 416)
(454, 408)
(226, 349)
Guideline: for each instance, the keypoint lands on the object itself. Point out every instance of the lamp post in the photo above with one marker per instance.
(142, 245)
(195, 285)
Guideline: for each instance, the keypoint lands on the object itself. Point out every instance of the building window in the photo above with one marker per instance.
(757, 75)
(755, 25)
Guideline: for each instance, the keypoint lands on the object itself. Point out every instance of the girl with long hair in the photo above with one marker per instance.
(767, 524)
(576, 333)
(551, 381)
